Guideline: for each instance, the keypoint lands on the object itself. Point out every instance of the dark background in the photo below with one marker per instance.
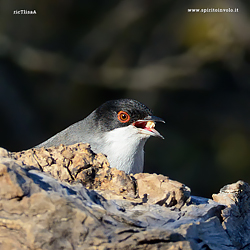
(192, 69)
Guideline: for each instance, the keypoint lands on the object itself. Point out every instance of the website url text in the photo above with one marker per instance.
(214, 10)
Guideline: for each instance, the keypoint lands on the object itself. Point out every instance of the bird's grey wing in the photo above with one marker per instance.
(82, 131)
(68, 136)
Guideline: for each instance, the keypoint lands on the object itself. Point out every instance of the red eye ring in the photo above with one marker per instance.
(123, 116)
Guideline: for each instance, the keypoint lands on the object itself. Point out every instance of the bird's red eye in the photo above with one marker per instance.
(123, 116)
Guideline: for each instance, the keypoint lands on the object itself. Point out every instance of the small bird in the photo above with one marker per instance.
(118, 129)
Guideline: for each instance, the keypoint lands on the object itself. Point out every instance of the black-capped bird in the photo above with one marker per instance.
(118, 129)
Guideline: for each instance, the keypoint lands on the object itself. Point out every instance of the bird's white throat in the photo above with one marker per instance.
(125, 148)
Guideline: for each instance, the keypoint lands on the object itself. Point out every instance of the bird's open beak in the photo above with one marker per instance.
(148, 125)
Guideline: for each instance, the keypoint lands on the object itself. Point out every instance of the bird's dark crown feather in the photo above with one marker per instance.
(106, 114)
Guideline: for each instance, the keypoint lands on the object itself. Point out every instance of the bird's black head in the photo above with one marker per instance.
(120, 113)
